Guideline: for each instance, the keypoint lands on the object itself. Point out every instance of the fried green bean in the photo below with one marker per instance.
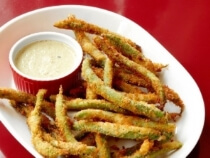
(131, 78)
(52, 97)
(118, 130)
(70, 148)
(137, 107)
(73, 23)
(148, 97)
(131, 52)
(102, 146)
(46, 149)
(35, 115)
(122, 46)
(34, 122)
(12, 94)
(95, 114)
(62, 120)
(143, 150)
(90, 94)
(137, 68)
(108, 72)
(163, 149)
(22, 108)
(89, 48)
(80, 104)
(158, 150)
(22, 97)
(174, 97)
(126, 87)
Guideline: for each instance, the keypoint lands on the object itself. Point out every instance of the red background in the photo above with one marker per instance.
(181, 26)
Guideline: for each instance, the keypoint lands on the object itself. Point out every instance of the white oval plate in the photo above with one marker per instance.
(189, 127)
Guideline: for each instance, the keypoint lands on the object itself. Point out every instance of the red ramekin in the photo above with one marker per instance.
(30, 84)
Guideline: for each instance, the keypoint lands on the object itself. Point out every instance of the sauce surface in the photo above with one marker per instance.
(45, 59)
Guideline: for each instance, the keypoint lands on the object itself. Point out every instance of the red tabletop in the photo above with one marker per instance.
(182, 27)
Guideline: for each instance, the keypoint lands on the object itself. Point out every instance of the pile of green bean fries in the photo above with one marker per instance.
(120, 97)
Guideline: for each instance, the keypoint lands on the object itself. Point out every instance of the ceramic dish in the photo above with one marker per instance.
(189, 127)
(27, 82)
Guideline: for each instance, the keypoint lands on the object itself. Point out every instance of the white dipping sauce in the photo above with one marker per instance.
(45, 59)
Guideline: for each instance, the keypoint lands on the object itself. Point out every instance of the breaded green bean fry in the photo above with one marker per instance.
(126, 87)
(19, 96)
(23, 109)
(146, 97)
(156, 151)
(108, 72)
(102, 146)
(70, 148)
(131, 52)
(121, 45)
(34, 119)
(118, 130)
(80, 104)
(89, 48)
(73, 23)
(62, 121)
(34, 122)
(143, 150)
(90, 94)
(95, 114)
(131, 78)
(163, 149)
(23, 97)
(174, 97)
